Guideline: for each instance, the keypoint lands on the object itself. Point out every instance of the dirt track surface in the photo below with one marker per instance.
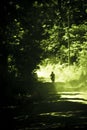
(49, 110)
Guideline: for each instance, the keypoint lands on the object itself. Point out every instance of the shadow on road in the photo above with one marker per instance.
(46, 109)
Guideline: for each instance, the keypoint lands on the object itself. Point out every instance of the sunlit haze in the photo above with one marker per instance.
(62, 72)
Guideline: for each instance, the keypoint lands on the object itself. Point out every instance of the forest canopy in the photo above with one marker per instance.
(36, 30)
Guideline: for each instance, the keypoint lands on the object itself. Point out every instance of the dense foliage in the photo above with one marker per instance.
(32, 31)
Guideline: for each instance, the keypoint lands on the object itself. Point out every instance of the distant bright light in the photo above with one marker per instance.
(41, 73)
(62, 73)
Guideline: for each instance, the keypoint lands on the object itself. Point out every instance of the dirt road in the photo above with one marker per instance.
(61, 109)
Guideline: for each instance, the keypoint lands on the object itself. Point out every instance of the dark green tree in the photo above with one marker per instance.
(20, 50)
(34, 30)
(8, 12)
